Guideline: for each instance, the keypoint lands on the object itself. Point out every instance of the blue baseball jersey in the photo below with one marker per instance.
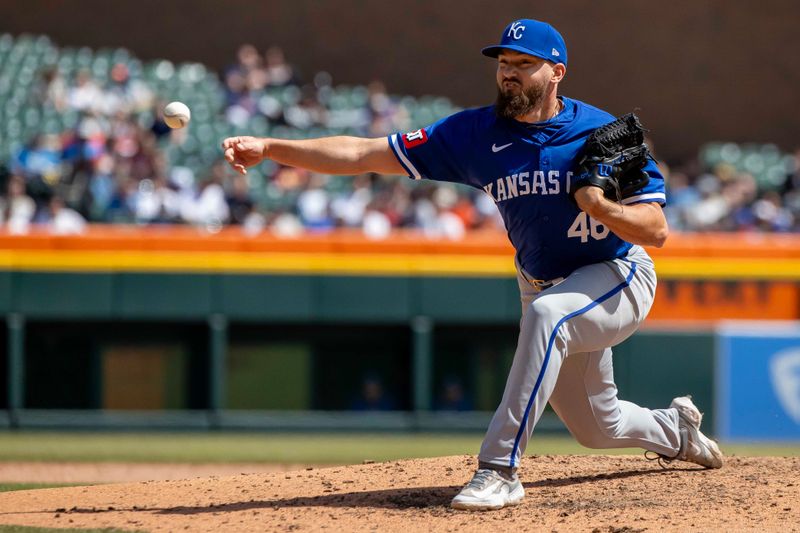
(526, 169)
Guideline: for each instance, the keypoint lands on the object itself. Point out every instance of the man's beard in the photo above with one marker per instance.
(512, 105)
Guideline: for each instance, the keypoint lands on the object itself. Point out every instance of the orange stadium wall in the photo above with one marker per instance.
(687, 65)
(702, 277)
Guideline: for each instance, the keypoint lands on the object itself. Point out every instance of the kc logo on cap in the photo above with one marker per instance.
(515, 30)
(532, 37)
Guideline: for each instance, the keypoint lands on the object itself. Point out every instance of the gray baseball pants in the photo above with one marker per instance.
(563, 356)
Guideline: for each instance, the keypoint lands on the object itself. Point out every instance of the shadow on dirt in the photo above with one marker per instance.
(410, 498)
(576, 480)
(406, 498)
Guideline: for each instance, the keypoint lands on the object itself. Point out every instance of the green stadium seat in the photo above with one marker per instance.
(359, 97)
(32, 117)
(6, 42)
(774, 176)
(163, 70)
(752, 163)
(6, 85)
(730, 153)
(269, 167)
(50, 57)
(337, 101)
(70, 118)
(121, 55)
(83, 57)
(205, 133)
(51, 126)
(259, 126)
(42, 43)
(289, 95)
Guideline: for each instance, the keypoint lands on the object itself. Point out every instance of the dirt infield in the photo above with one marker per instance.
(564, 493)
(80, 473)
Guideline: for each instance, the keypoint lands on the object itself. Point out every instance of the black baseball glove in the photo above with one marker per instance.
(613, 158)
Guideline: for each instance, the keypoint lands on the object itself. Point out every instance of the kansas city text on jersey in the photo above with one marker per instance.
(525, 183)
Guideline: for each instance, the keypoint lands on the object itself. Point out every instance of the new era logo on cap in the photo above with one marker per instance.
(555, 52)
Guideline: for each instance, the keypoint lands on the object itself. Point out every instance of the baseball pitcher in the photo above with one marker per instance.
(580, 196)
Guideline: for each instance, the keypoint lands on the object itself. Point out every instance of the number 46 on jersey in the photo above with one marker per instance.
(585, 226)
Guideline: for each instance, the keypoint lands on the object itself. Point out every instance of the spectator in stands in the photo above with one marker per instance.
(40, 158)
(156, 202)
(206, 206)
(739, 192)
(244, 80)
(307, 112)
(376, 224)
(254, 222)
(122, 204)
(285, 224)
(681, 197)
(247, 60)
(348, 207)
(770, 213)
(240, 205)
(52, 90)
(385, 115)
(279, 72)
(791, 190)
(124, 94)
(85, 94)
(313, 205)
(17, 209)
(712, 207)
(102, 187)
(446, 223)
(63, 220)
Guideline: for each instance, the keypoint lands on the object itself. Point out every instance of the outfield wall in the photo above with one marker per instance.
(223, 330)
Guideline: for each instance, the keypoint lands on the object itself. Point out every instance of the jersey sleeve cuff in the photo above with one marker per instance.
(658, 197)
(394, 142)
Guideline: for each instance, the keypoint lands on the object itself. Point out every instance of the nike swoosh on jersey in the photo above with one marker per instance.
(496, 148)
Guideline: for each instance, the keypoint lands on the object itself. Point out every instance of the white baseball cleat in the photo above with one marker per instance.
(695, 447)
(488, 489)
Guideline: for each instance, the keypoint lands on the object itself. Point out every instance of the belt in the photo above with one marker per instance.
(542, 284)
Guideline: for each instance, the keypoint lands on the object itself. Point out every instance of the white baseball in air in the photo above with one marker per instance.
(177, 115)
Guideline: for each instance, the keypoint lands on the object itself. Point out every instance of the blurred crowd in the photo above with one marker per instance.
(270, 87)
(113, 166)
(725, 198)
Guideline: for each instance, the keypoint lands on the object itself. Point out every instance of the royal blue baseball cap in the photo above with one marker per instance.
(532, 37)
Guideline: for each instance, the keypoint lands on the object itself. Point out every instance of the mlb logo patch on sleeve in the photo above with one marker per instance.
(415, 138)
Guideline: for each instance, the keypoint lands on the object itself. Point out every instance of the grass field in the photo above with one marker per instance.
(7, 487)
(302, 448)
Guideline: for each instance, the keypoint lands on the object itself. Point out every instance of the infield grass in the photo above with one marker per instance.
(8, 487)
(297, 448)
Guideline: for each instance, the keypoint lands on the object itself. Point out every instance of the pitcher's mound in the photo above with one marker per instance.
(564, 493)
